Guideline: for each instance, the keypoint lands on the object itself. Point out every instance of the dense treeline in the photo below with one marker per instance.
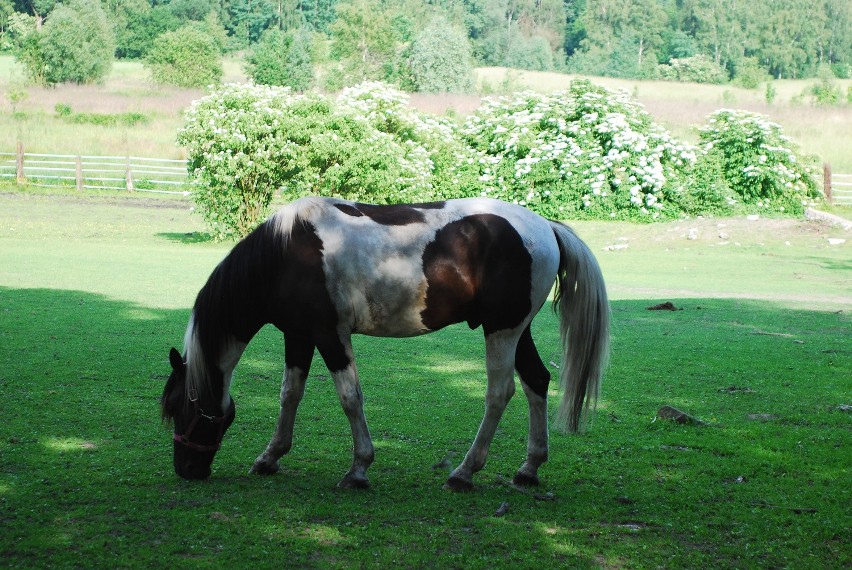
(353, 40)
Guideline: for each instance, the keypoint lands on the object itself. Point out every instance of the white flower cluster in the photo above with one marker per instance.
(760, 163)
(584, 148)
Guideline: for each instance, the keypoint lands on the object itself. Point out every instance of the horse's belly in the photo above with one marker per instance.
(389, 308)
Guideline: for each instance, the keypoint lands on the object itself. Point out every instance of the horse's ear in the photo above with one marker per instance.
(176, 360)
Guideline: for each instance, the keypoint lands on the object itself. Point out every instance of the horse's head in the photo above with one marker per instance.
(200, 421)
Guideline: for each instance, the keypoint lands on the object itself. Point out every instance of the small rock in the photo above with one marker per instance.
(753, 217)
(761, 417)
(670, 413)
(667, 306)
(616, 247)
(836, 241)
(502, 509)
(692, 234)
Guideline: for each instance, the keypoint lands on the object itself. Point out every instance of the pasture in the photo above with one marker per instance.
(94, 290)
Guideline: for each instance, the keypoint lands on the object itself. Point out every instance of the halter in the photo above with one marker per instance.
(199, 414)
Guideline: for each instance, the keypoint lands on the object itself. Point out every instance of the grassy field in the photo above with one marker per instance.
(680, 107)
(94, 291)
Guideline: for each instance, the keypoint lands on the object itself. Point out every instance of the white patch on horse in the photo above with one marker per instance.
(379, 287)
(227, 363)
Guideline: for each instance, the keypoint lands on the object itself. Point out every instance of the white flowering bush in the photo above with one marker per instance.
(760, 165)
(234, 147)
(245, 142)
(587, 152)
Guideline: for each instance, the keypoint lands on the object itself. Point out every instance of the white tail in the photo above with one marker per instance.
(583, 306)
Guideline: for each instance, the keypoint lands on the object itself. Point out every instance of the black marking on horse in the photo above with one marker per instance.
(302, 307)
(392, 214)
(477, 270)
(530, 368)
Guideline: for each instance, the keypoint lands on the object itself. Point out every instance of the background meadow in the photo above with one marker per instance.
(680, 107)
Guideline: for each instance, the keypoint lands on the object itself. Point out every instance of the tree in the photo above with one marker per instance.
(75, 45)
(441, 60)
(135, 39)
(186, 57)
(282, 58)
(363, 41)
(620, 37)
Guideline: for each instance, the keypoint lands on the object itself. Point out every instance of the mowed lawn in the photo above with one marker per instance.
(95, 290)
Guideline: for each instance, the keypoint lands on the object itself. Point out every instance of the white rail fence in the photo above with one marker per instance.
(158, 175)
(169, 176)
(837, 187)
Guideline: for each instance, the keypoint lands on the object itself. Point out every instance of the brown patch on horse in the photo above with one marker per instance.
(390, 215)
(477, 270)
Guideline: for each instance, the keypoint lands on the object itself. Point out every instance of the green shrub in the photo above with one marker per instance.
(587, 152)
(826, 91)
(532, 53)
(75, 45)
(281, 58)
(760, 165)
(749, 73)
(247, 141)
(63, 110)
(186, 57)
(441, 60)
(696, 69)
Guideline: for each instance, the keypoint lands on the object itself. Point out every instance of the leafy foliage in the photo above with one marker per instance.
(583, 153)
(587, 153)
(759, 164)
(186, 57)
(281, 58)
(75, 45)
(440, 60)
(695, 69)
(247, 141)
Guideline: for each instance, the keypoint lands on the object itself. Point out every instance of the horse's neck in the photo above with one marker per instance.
(227, 363)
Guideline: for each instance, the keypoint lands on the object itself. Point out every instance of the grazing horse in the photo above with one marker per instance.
(321, 269)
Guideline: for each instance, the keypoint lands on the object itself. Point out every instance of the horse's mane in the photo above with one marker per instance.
(225, 306)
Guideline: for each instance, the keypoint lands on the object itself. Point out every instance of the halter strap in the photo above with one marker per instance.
(183, 439)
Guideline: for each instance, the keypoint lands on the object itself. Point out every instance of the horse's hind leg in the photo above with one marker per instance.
(535, 379)
(499, 361)
(298, 364)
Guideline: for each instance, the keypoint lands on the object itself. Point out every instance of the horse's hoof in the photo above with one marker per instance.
(458, 485)
(353, 482)
(523, 479)
(263, 468)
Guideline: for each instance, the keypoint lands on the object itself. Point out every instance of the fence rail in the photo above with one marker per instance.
(139, 174)
(836, 187)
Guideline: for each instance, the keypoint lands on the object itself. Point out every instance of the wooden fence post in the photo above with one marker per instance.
(19, 163)
(826, 181)
(79, 173)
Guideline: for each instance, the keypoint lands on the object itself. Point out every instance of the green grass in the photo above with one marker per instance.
(94, 290)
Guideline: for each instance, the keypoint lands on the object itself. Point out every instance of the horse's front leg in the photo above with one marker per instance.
(292, 391)
(297, 365)
(352, 399)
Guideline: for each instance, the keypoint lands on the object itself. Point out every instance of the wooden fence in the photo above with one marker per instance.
(160, 175)
(836, 187)
(168, 176)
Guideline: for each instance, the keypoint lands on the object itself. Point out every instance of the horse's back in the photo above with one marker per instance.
(408, 269)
